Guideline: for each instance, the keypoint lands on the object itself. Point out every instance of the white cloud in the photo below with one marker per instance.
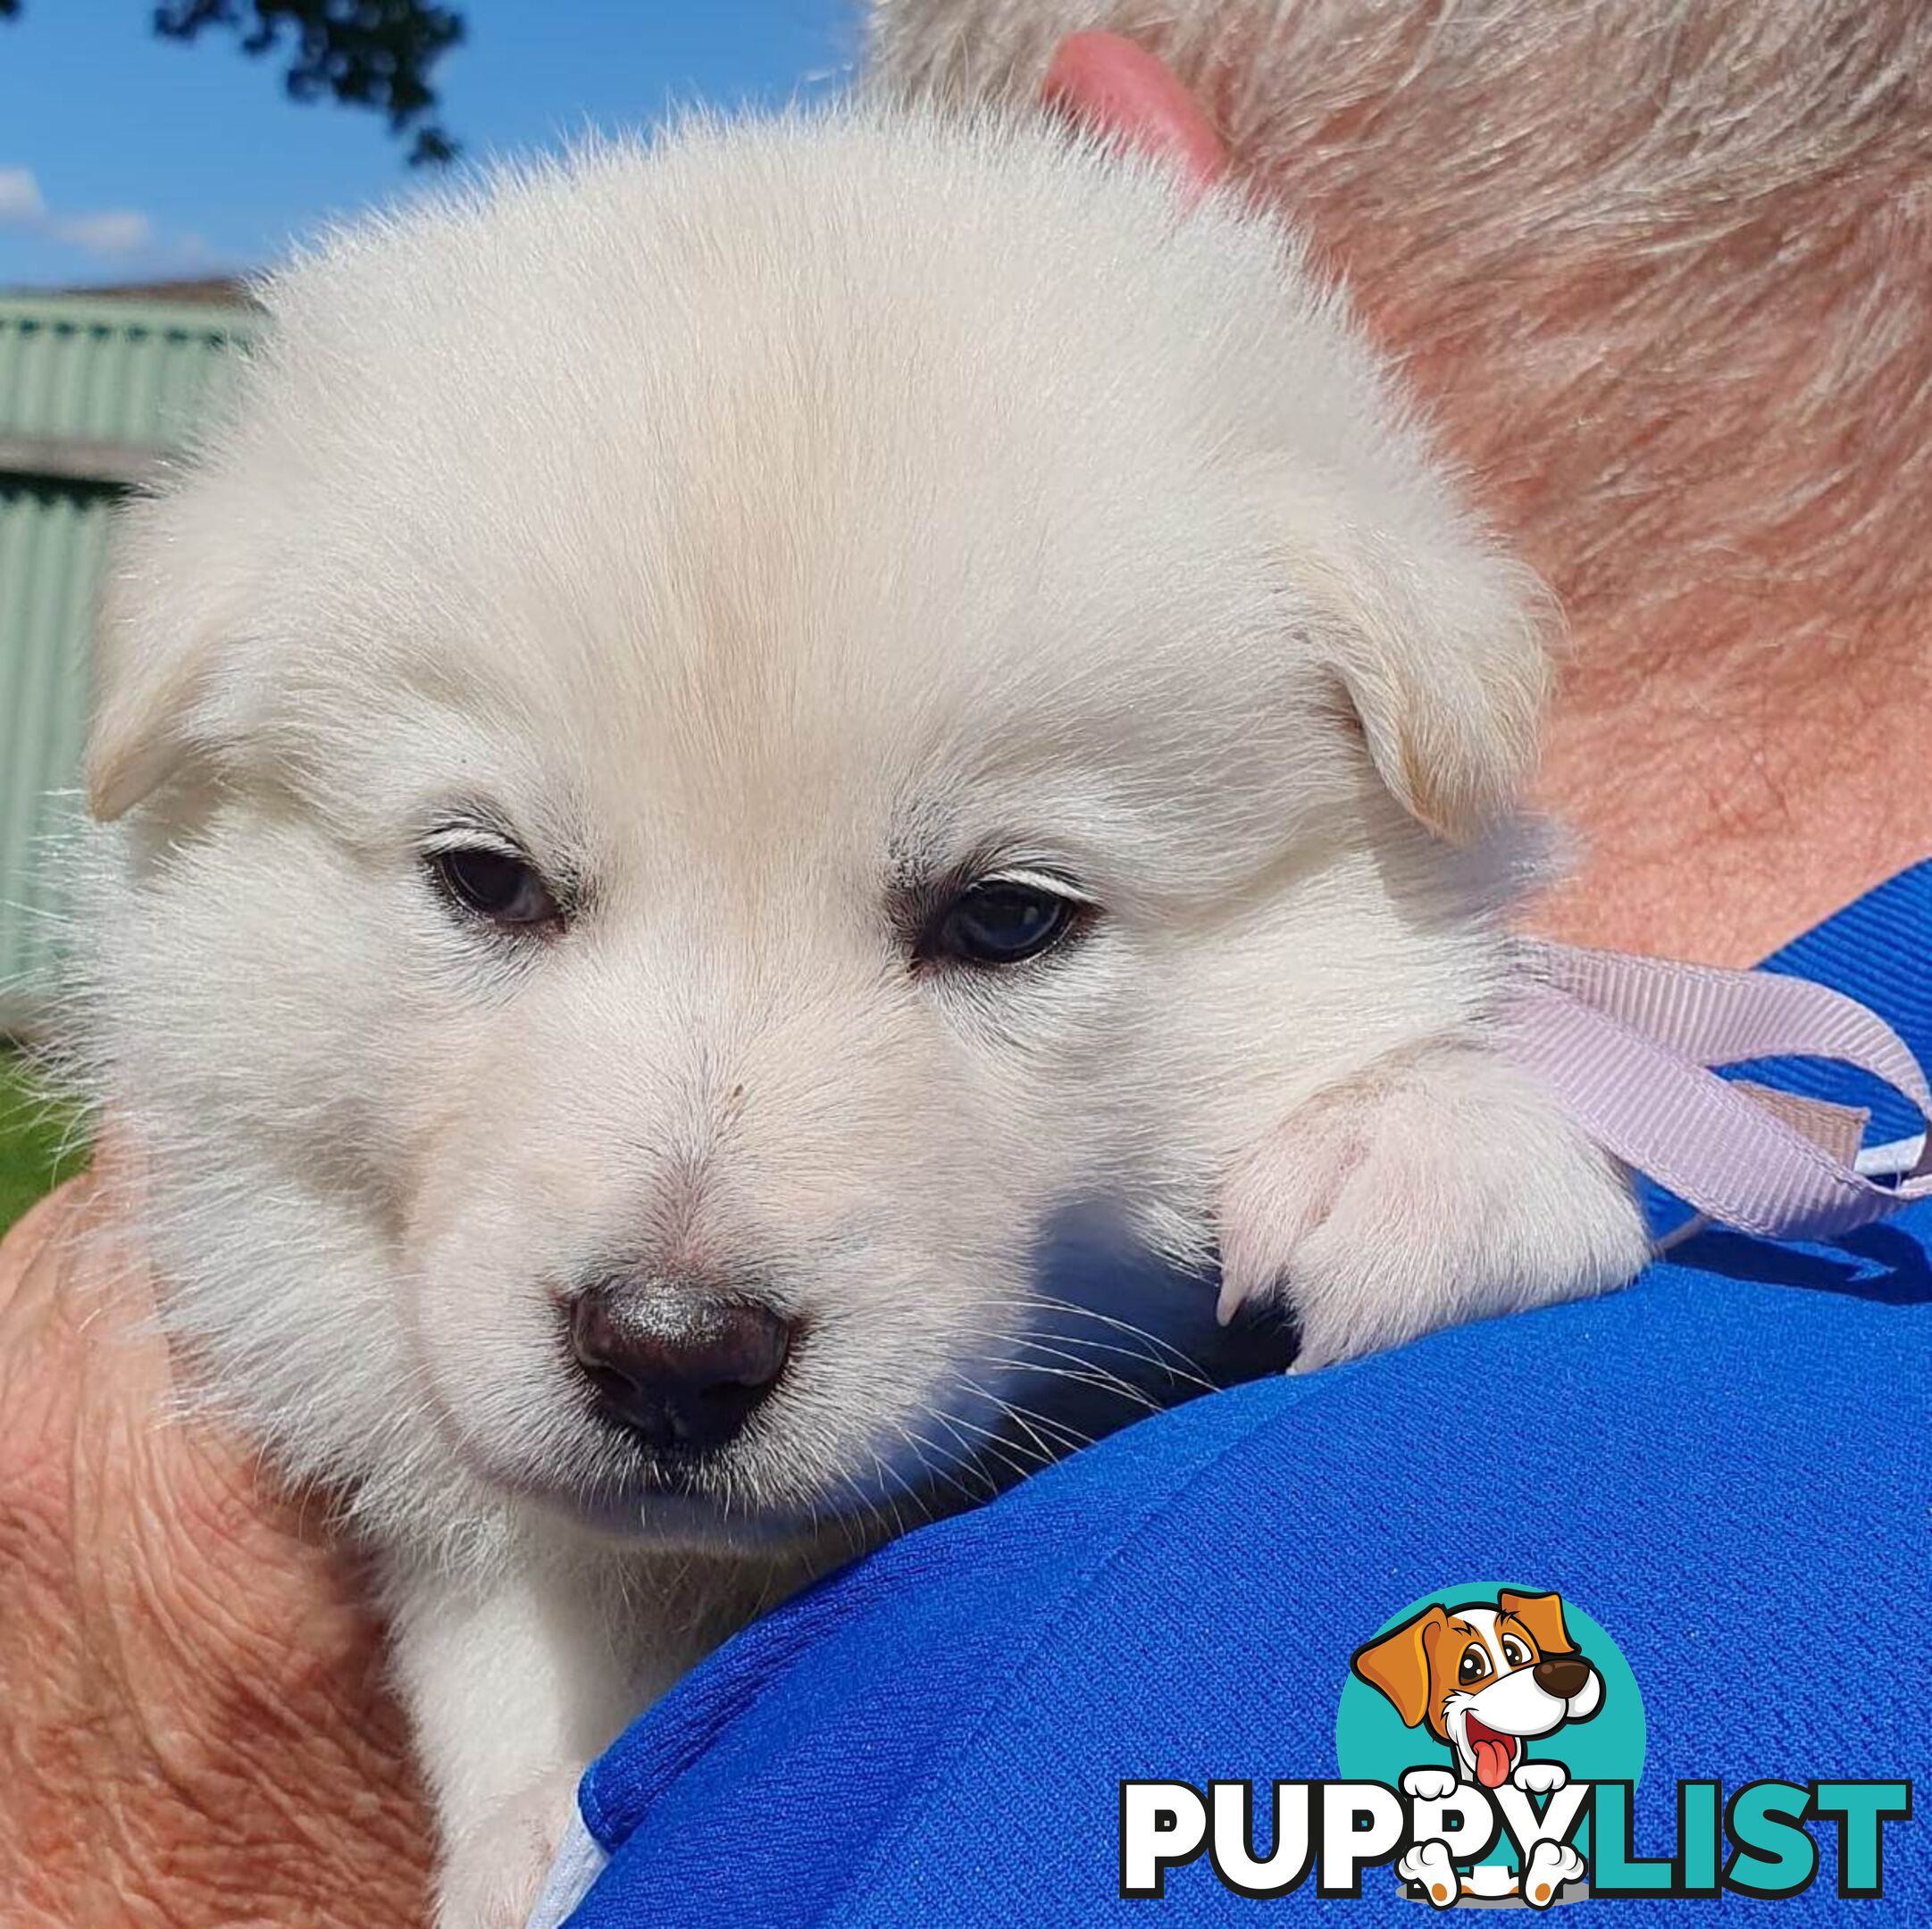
(119, 231)
(107, 232)
(20, 198)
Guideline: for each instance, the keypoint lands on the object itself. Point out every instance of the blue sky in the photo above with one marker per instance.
(125, 157)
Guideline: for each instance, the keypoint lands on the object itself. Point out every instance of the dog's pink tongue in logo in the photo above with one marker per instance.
(1493, 1753)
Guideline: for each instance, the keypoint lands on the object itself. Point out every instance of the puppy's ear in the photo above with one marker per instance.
(143, 722)
(1445, 661)
(1543, 1615)
(1398, 1663)
(169, 606)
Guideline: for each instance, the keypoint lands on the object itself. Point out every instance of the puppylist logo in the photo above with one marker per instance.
(1490, 1741)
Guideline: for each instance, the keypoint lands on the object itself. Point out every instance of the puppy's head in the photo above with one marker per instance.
(1484, 1678)
(749, 763)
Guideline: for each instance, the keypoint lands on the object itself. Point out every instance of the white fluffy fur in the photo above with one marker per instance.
(757, 521)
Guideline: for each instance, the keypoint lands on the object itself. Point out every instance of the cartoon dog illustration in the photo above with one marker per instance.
(1487, 1678)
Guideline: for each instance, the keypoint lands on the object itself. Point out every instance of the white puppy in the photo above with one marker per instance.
(756, 770)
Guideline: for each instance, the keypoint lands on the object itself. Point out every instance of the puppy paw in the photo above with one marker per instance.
(1540, 1777)
(1429, 1863)
(1428, 1784)
(1439, 1187)
(1551, 1864)
(492, 1875)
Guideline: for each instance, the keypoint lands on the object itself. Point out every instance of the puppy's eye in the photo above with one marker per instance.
(1003, 921)
(1473, 1666)
(495, 883)
(1515, 1653)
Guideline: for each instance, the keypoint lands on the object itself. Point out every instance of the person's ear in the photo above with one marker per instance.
(1543, 1615)
(1397, 1663)
(1105, 83)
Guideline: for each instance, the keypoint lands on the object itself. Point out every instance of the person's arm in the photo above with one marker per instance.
(194, 1725)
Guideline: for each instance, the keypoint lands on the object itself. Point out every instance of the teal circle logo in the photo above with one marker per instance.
(1486, 1682)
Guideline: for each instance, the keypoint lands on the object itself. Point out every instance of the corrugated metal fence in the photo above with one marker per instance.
(92, 390)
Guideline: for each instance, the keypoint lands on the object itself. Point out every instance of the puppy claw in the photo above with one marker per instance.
(1235, 1292)
(1429, 1784)
(1540, 1777)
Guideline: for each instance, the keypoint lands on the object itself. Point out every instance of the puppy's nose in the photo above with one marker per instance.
(1563, 1676)
(682, 1369)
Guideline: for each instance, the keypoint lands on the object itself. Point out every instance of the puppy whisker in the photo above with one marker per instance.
(1023, 1418)
(1075, 1346)
(996, 1449)
(1099, 1383)
(1075, 1353)
(1030, 1421)
(1159, 1347)
(946, 1467)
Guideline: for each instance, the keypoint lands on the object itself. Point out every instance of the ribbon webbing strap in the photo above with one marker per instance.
(1627, 1044)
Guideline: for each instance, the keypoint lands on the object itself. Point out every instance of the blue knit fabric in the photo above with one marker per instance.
(1728, 1466)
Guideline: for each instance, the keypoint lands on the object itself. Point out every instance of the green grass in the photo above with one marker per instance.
(37, 1148)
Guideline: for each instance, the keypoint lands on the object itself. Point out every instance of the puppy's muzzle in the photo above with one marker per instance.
(1562, 1675)
(678, 1366)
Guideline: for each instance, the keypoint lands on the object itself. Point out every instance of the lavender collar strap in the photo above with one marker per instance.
(1628, 1045)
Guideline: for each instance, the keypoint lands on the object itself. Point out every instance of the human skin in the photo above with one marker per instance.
(196, 1729)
